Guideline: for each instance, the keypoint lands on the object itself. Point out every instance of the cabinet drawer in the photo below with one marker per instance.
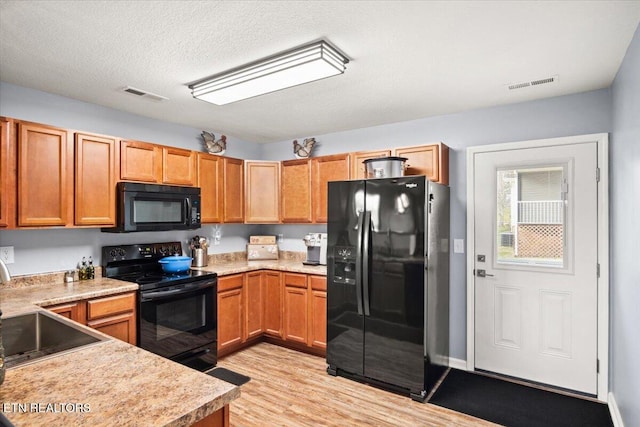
(297, 280)
(318, 283)
(108, 306)
(230, 282)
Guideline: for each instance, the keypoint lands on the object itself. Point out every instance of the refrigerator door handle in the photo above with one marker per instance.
(366, 230)
(359, 263)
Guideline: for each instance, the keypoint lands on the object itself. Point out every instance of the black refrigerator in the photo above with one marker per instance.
(388, 283)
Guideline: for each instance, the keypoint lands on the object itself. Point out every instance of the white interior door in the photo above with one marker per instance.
(536, 223)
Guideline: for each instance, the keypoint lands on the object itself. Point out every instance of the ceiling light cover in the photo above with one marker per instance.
(302, 65)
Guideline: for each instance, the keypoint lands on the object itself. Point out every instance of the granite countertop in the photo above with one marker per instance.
(242, 266)
(104, 384)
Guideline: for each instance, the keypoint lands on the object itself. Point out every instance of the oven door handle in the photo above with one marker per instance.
(151, 296)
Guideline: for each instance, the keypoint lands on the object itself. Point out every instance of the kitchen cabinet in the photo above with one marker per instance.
(323, 170)
(95, 180)
(178, 167)
(295, 307)
(114, 315)
(233, 198)
(230, 311)
(296, 191)
(76, 311)
(272, 287)
(254, 298)
(317, 312)
(430, 160)
(45, 176)
(7, 174)
(211, 183)
(358, 169)
(140, 161)
(262, 192)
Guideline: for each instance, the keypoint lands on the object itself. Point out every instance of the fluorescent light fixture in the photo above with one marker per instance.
(305, 64)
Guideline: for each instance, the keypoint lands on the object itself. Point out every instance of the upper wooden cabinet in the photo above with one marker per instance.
(233, 199)
(358, 170)
(323, 170)
(211, 183)
(262, 192)
(178, 166)
(140, 161)
(431, 160)
(296, 191)
(45, 176)
(7, 174)
(95, 180)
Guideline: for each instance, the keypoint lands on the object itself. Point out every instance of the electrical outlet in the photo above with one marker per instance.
(6, 254)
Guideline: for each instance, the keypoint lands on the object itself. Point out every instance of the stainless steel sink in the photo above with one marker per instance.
(33, 336)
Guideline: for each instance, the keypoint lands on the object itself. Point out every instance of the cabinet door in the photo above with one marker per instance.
(45, 176)
(140, 161)
(358, 169)
(95, 201)
(295, 308)
(230, 311)
(7, 174)
(262, 192)
(429, 160)
(296, 191)
(233, 204)
(76, 311)
(325, 169)
(114, 315)
(178, 166)
(318, 312)
(210, 181)
(254, 323)
(272, 303)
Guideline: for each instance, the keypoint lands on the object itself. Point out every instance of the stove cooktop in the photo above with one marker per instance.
(154, 280)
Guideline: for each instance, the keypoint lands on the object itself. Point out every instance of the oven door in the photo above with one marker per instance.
(177, 320)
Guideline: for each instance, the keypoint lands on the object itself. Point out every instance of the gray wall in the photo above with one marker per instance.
(583, 113)
(625, 236)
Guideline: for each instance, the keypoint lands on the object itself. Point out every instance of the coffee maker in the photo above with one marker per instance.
(316, 248)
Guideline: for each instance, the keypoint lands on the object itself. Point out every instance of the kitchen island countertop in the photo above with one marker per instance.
(104, 384)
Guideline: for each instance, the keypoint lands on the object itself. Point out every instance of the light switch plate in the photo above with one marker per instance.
(458, 246)
(6, 254)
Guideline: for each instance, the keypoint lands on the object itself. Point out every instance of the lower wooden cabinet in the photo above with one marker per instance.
(113, 315)
(317, 336)
(230, 311)
(272, 286)
(287, 308)
(295, 307)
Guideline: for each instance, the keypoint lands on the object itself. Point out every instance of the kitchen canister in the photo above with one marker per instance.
(199, 257)
(385, 167)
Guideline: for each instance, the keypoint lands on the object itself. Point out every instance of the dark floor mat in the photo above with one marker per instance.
(229, 376)
(516, 405)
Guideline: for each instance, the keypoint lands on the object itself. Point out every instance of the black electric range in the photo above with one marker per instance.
(177, 313)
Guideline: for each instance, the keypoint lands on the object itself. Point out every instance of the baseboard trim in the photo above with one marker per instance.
(614, 411)
(458, 364)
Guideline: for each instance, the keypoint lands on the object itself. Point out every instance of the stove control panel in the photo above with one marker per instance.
(113, 254)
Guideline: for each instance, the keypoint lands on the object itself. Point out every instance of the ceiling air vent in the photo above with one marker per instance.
(145, 94)
(533, 83)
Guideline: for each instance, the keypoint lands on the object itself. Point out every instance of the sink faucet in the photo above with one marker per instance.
(5, 277)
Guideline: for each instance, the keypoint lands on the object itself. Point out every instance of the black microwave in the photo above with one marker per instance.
(150, 207)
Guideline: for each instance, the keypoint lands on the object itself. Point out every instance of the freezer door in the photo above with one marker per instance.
(345, 321)
(394, 293)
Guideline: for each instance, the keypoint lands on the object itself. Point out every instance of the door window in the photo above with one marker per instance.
(531, 206)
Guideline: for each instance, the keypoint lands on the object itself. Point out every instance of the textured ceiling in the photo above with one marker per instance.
(408, 59)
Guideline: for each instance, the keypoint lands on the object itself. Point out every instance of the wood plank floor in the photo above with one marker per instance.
(289, 388)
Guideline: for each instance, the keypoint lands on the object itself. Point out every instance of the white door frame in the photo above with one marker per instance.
(602, 140)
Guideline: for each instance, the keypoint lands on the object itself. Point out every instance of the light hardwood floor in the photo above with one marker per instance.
(289, 388)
